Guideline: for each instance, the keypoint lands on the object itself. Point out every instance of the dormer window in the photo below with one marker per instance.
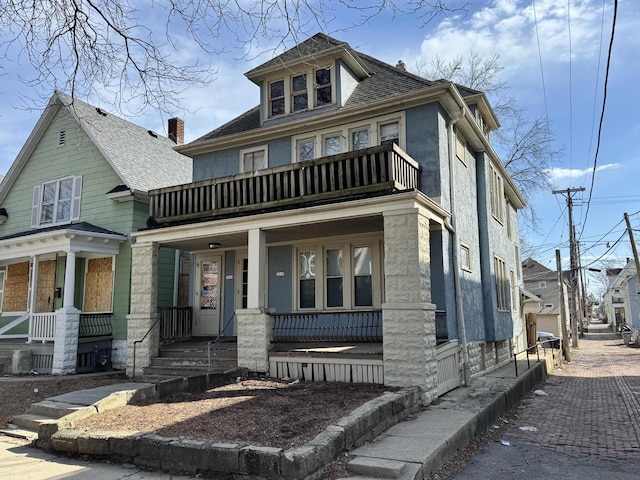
(276, 98)
(323, 87)
(299, 98)
(292, 94)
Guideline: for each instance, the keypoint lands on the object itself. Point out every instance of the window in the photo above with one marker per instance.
(362, 284)
(16, 287)
(518, 263)
(548, 305)
(346, 276)
(252, 160)
(497, 196)
(299, 97)
(323, 86)
(389, 133)
(333, 277)
(542, 284)
(502, 284)
(514, 292)
(276, 98)
(56, 202)
(360, 139)
(461, 148)
(98, 285)
(307, 278)
(62, 138)
(332, 145)
(306, 149)
(509, 225)
(465, 257)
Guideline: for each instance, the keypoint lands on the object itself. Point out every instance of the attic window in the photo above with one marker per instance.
(542, 284)
(276, 98)
(299, 97)
(323, 86)
(548, 305)
(62, 138)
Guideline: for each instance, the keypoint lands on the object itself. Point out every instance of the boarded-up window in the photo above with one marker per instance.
(98, 285)
(46, 286)
(16, 288)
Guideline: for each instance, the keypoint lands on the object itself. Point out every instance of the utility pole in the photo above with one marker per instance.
(573, 260)
(566, 351)
(633, 244)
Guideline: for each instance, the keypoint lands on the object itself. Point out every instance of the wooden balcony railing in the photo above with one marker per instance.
(385, 168)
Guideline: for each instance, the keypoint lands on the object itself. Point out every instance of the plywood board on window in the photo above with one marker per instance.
(16, 288)
(46, 285)
(98, 290)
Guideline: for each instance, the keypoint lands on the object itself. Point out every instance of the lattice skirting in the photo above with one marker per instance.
(327, 369)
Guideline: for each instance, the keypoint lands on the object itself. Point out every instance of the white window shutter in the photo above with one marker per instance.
(35, 206)
(75, 201)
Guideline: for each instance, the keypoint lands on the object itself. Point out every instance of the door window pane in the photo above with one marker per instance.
(334, 277)
(362, 268)
(209, 279)
(307, 278)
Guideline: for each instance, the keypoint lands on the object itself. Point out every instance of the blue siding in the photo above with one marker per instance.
(280, 287)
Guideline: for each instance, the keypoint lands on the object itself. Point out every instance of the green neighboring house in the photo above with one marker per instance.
(68, 203)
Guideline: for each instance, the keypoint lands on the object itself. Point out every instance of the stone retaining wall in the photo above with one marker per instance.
(194, 456)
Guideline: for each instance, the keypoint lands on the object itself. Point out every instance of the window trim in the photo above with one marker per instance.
(259, 148)
(373, 125)
(496, 189)
(74, 207)
(502, 283)
(348, 246)
(542, 284)
(467, 247)
(461, 143)
(311, 90)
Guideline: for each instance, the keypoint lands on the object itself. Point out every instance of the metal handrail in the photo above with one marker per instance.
(538, 344)
(135, 344)
(215, 340)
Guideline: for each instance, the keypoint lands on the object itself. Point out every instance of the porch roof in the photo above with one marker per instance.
(77, 237)
(349, 217)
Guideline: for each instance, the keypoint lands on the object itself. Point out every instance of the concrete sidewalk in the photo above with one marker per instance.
(413, 449)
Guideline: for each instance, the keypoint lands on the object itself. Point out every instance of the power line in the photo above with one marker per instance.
(604, 103)
(544, 89)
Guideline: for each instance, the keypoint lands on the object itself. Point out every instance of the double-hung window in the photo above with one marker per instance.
(253, 159)
(56, 202)
(359, 138)
(389, 133)
(299, 97)
(332, 144)
(497, 195)
(306, 149)
(502, 283)
(346, 277)
(276, 98)
(323, 86)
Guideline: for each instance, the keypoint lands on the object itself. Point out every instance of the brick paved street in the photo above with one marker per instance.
(592, 405)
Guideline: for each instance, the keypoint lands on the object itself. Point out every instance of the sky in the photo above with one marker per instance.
(554, 56)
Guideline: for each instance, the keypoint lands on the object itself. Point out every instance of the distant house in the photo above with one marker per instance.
(543, 283)
(622, 298)
(356, 204)
(68, 204)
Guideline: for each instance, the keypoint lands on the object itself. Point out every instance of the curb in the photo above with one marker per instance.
(196, 456)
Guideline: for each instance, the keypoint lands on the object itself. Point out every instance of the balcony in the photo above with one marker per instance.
(372, 171)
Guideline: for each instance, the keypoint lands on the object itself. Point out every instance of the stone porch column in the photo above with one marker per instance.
(255, 325)
(144, 306)
(65, 344)
(409, 331)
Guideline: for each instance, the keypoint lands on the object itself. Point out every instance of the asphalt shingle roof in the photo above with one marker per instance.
(385, 81)
(143, 160)
(78, 227)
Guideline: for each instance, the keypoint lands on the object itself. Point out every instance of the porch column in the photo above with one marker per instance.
(144, 306)
(255, 325)
(409, 331)
(65, 346)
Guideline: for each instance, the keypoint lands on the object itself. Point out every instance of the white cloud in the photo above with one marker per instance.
(563, 173)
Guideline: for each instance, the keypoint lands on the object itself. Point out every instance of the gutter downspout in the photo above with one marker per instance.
(454, 241)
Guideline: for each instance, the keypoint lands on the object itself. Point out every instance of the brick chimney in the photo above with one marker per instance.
(176, 130)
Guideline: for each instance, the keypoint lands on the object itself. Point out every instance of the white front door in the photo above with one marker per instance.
(208, 295)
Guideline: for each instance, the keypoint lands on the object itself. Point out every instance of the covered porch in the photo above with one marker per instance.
(42, 305)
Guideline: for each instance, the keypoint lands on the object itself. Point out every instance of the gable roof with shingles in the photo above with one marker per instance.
(385, 81)
(141, 160)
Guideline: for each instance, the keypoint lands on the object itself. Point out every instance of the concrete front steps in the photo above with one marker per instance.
(47, 411)
(185, 362)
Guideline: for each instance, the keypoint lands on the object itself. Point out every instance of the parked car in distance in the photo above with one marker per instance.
(549, 339)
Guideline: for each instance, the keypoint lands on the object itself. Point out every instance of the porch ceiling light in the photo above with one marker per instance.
(214, 245)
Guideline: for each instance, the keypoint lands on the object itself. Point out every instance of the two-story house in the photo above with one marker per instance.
(622, 298)
(543, 282)
(355, 202)
(69, 201)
